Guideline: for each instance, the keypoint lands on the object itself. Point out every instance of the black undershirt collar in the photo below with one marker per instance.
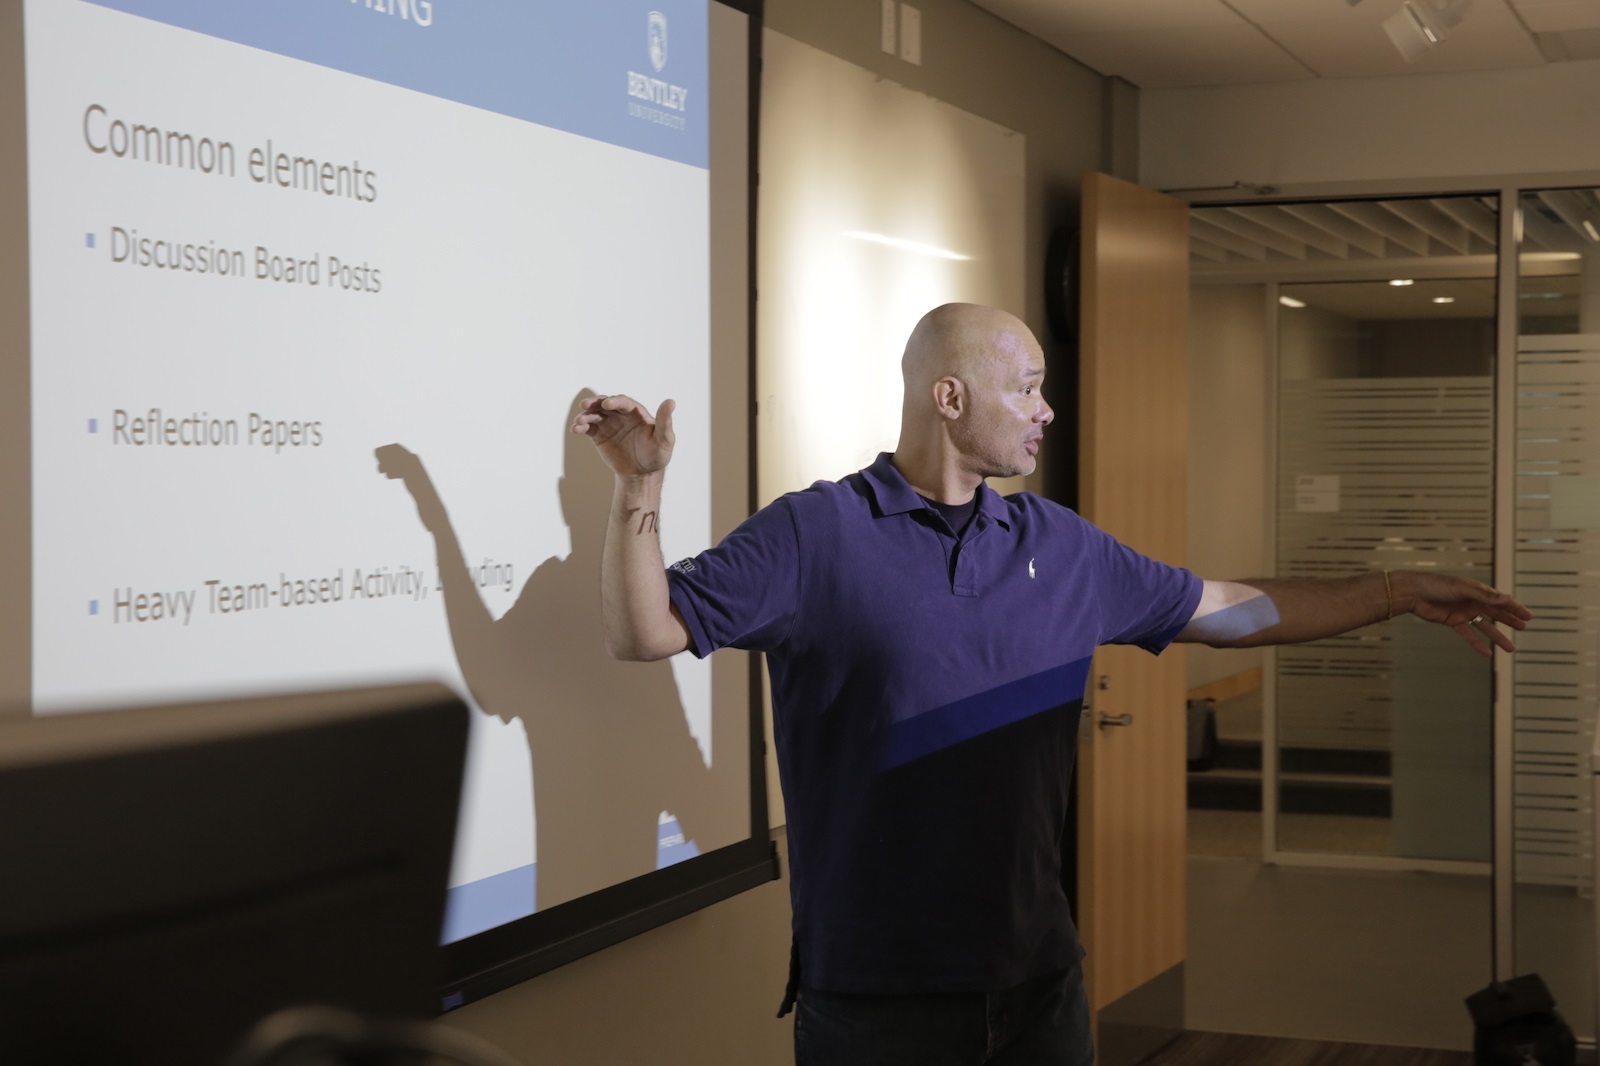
(956, 515)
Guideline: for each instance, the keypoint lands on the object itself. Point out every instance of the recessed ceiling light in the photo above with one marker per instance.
(1444, 299)
(1400, 281)
(1290, 301)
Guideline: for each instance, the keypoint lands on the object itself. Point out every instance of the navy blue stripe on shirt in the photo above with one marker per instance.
(939, 728)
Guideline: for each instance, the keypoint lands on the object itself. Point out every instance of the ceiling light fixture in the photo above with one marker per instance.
(906, 246)
(1444, 299)
(1588, 227)
(1421, 24)
(1290, 301)
(1397, 282)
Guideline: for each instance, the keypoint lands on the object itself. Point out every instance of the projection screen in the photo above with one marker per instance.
(308, 293)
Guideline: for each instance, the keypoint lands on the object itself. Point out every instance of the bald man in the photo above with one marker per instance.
(928, 644)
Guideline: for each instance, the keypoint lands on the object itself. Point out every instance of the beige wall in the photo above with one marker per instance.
(1227, 451)
(1393, 129)
(978, 63)
(703, 990)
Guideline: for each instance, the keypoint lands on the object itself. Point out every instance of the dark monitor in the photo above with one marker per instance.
(170, 875)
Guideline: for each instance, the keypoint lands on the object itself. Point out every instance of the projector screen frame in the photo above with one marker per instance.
(495, 959)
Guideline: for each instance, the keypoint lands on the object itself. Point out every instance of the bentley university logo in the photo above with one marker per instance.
(655, 99)
(658, 40)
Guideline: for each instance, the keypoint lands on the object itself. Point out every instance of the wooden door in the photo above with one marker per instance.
(1133, 475)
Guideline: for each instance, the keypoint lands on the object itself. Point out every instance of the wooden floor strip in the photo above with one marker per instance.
(1209, 1049)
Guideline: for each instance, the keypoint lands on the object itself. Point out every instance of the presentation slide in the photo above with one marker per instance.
(315, 288)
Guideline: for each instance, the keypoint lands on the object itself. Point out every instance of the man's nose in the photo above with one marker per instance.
(1046, 414)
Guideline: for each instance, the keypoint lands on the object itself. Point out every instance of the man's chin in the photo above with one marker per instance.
(1022, 468)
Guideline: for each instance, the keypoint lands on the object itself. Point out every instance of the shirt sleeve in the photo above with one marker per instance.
(743, 593)
(1143, 602)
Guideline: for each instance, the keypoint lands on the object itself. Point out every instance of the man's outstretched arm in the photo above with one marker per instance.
(640, 621)
(1258, 611)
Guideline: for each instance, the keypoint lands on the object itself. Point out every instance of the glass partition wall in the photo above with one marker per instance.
(1556, 572)
(1385, 462)
(1434, 405)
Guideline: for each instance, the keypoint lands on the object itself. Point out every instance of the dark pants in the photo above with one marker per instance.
(1042, 1022)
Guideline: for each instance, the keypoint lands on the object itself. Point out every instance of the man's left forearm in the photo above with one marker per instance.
(1260, 611)
(1270, 610)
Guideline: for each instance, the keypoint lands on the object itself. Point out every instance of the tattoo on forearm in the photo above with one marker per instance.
(647, 521)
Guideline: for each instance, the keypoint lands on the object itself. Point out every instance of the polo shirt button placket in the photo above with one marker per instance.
(965, 582)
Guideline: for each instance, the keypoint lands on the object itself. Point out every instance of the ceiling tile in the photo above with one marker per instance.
(1489, 38)
(1162, 58)
(1570, 45)
(1045, 17)
(1173, 43)
(1371, 11)
(1557, 16)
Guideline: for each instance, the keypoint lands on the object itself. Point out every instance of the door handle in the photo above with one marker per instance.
(1114, 719)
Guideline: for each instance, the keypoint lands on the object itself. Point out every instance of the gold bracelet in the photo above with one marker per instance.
(1388, 596)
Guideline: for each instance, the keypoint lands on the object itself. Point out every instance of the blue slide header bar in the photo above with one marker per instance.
(627, 72)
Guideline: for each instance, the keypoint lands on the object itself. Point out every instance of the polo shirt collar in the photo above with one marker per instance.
(895, 496)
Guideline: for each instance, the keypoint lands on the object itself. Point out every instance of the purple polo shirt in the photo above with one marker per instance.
(926, 696)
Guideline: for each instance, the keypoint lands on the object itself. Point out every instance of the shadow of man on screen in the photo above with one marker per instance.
(608, 742)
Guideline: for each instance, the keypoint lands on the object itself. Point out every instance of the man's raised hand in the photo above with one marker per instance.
(630, 441)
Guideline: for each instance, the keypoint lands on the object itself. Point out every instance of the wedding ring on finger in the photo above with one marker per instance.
(1475, 620)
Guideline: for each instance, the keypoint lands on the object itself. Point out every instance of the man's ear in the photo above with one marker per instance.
(950, 397)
